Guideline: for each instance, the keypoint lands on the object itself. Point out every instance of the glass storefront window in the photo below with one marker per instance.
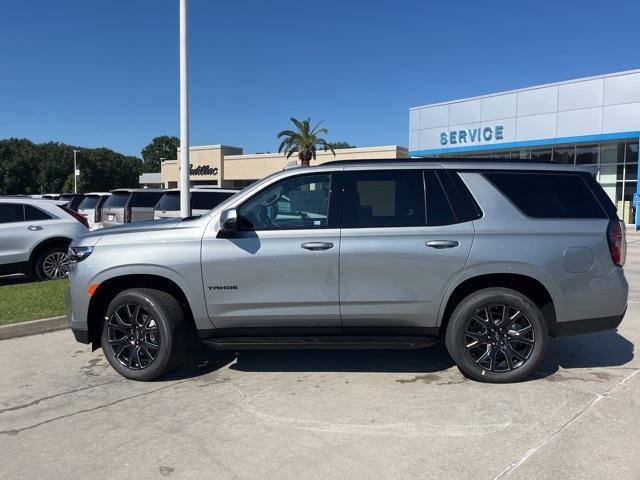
(564, 155)
(541, 155)
(521, 155)
(629, 190)
(612, 153)
(587, 154)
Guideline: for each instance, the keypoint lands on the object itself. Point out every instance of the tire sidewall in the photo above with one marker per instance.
(455, 337)
(163, 360)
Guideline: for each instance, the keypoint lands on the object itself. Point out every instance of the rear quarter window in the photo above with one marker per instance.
(549, 195)
(32, 214)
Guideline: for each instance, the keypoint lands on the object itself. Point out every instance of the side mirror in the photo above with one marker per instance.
(228, 223)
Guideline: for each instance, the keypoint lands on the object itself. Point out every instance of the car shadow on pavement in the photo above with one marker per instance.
(603, 349)
(592, 350)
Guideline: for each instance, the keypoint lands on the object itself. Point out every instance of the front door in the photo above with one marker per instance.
(399, 250)
(280, 272)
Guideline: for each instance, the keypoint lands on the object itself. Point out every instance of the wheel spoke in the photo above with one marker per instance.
(507, 355)
(119, 341)
(133, 336)
(506, 333)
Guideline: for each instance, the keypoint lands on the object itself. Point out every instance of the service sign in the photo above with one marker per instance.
(471, 136)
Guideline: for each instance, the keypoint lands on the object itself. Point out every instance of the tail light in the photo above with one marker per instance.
(75, 215)
(617, 240)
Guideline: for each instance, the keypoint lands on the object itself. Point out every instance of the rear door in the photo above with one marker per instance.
(13, 233)
(21, 227)
(401, 246)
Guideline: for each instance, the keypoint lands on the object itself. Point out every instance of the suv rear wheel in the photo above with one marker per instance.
(140, 337)
(52, 264)
(497, 335)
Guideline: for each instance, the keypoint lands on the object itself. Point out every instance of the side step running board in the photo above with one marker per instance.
(320, 343)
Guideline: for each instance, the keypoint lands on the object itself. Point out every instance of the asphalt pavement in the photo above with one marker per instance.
(64, 413)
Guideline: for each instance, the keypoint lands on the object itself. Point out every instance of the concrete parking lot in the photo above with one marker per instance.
(64, 413)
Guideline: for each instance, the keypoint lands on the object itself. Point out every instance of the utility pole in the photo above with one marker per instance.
(75, 172)
(185, 207)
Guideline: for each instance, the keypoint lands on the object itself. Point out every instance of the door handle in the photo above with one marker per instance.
(317, 246)
(34, 228)
(442, 243)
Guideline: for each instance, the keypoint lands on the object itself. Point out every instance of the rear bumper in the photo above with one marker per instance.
(562, 329)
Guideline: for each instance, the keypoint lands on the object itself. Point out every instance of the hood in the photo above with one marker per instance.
(91, 239)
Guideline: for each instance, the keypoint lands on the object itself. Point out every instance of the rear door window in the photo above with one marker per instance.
(386, 198)
(11, 212)
(549, 195)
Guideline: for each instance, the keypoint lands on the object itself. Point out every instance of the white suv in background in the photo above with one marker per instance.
(35, 235)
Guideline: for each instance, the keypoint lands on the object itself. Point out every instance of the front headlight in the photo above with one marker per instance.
(77, 254)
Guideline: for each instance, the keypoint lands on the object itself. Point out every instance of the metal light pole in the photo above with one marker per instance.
(185, 207)
(75, 172)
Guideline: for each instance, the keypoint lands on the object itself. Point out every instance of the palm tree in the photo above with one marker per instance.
(304, 141)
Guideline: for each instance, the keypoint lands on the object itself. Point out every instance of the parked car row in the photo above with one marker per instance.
(36, 231)
(128, 205)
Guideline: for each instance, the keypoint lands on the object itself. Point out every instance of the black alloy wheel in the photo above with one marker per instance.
(133, 336)
(499, 338)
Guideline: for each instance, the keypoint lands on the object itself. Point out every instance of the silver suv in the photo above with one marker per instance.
(35, 235)
(493, 257)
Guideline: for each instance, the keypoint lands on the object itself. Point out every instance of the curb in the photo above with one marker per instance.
(33, 327)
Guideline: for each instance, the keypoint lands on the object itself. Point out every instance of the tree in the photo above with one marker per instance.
(29, 168)
(337, 145)
(304, 141)
(160, 147)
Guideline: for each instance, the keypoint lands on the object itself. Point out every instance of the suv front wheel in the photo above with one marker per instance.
(140, 336)
(497, 335)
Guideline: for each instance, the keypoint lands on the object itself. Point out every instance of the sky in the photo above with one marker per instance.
(104, 73)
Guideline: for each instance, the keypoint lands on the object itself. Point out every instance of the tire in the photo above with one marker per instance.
(151, 346)
(52, 264)
(482, 346)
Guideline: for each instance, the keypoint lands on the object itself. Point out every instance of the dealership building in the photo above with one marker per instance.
(590, 121)
(227, 167)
